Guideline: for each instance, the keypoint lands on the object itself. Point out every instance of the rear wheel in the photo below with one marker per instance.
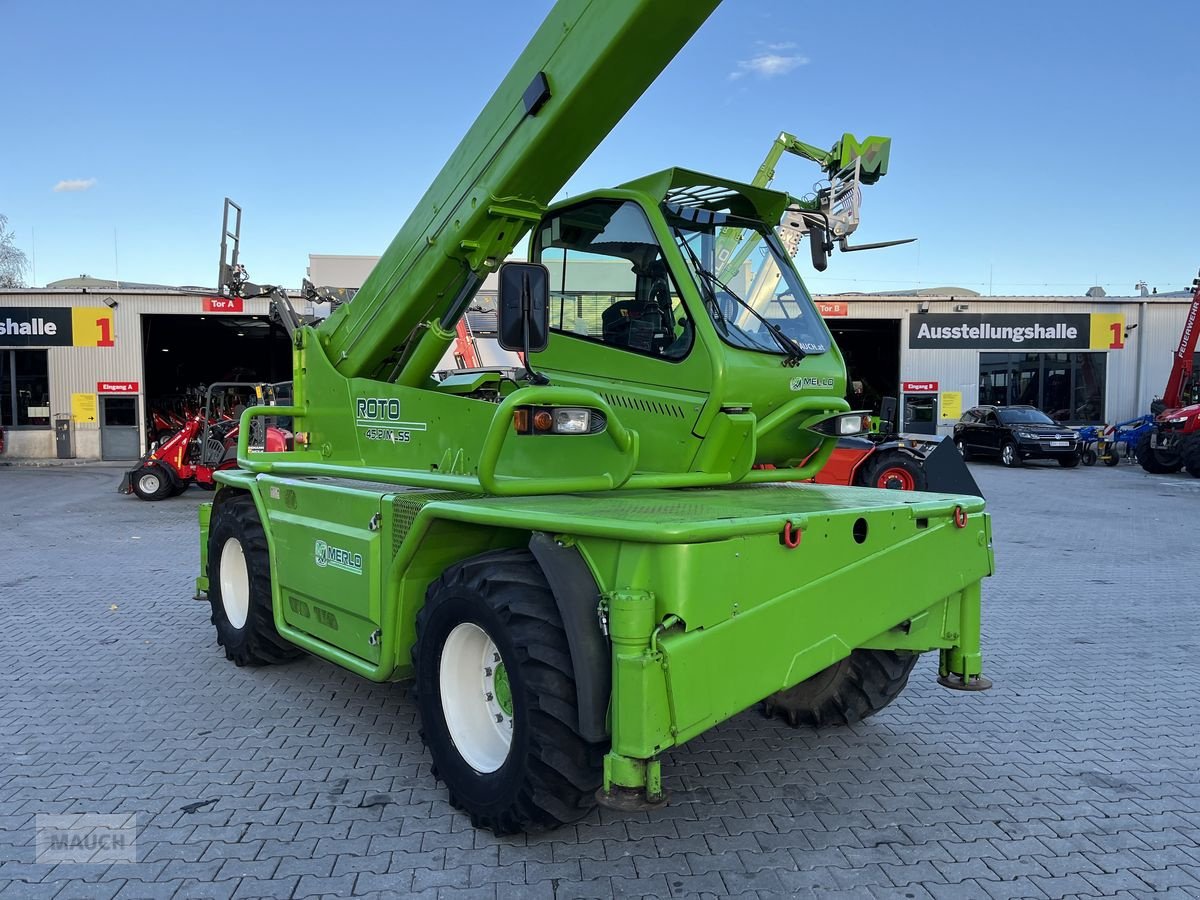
(847, 692)
(896, 471)
(1191, 455)
(1154, 461)
(1009, 455)
(152, 482)
(496, 692)
(239, 591)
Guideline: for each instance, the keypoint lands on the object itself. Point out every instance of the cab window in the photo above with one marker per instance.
(609, 282)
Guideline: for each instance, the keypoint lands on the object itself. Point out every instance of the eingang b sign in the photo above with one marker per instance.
(1017, 331)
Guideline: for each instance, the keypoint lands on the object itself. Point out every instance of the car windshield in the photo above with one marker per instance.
(1025, 417)
(751, 293)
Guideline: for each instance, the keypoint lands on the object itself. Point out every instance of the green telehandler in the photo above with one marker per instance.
(584, 563)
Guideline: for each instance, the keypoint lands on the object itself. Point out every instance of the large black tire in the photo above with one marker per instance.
(1010, 456)
(1069, 462)
(1156, 462)
(1088, 456)
(239, 586)
(1190, 455)
(847, 692)
(152, 482)
(546, 774)
(896, 471)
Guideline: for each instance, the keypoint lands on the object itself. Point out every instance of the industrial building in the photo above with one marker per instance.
(99, 362)
(1083, 360)
(103, 361)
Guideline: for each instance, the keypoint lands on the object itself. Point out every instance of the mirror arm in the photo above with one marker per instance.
(526, 315)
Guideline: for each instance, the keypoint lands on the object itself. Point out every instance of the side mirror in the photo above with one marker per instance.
(816, 246)
(524, 307)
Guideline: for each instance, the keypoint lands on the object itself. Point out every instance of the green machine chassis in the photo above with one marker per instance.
(621, 589)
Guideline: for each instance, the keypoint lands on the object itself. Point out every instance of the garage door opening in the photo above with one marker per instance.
(184, 354)
(872, 351)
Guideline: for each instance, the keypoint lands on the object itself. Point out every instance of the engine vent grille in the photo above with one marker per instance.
(672, 410)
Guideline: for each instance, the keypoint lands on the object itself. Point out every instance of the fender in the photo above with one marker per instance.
(577, 597)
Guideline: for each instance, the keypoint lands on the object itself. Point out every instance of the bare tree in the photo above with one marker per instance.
(13, 262)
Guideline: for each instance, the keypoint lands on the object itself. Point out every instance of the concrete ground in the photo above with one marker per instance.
(1078, 775)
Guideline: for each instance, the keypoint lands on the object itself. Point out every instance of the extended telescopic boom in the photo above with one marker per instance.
(586, 66)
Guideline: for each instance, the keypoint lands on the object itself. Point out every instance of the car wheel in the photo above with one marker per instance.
(1009, 455)
(962, 449)
(1069, 462)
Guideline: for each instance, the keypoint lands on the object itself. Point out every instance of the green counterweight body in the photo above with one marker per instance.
(584, 567)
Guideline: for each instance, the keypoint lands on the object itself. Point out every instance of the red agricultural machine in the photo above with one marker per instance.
(206, 442)
(1174, 441)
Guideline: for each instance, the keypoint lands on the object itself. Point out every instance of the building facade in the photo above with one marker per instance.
(92, 368)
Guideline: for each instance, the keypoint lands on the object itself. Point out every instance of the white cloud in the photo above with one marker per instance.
(767, 65)
(74, 184)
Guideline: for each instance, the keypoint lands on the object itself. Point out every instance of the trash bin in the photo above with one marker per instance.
(64, 436)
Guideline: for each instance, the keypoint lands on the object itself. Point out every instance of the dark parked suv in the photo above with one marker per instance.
(1015, 434)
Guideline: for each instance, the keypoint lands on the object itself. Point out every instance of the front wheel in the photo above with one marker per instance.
(1153, 460)
(239, 592)
(897, 472)
(496, 691)
(962, 449)
(1009, 455)
(1069, 462)
(1088, 457)
(152, 482)
(847, 692)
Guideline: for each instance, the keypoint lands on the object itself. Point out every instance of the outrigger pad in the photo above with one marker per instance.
(946, 472)
(956, 682)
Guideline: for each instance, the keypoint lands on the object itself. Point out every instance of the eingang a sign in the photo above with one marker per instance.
(1016, 331)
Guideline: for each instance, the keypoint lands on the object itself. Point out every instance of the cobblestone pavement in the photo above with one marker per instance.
(1076, 776)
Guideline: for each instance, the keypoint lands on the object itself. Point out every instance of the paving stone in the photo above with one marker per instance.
(1071, 778)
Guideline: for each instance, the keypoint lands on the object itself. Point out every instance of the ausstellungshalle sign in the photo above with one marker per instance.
(1000, 331)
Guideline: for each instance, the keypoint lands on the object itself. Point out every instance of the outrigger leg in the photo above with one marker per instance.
(961, 667)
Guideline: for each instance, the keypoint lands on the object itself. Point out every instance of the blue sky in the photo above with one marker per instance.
(1038, 148)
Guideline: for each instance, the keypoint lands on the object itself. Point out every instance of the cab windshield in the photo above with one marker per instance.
(751, 293)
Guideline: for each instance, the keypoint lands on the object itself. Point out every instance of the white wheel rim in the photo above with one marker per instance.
(1009, 456)
(149, 483)
(475, 702)
(235, 583)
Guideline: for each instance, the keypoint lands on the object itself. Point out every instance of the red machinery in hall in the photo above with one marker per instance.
(206, 443)
(1174, 441)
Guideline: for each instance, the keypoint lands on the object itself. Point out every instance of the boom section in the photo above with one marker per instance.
(584, 68)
